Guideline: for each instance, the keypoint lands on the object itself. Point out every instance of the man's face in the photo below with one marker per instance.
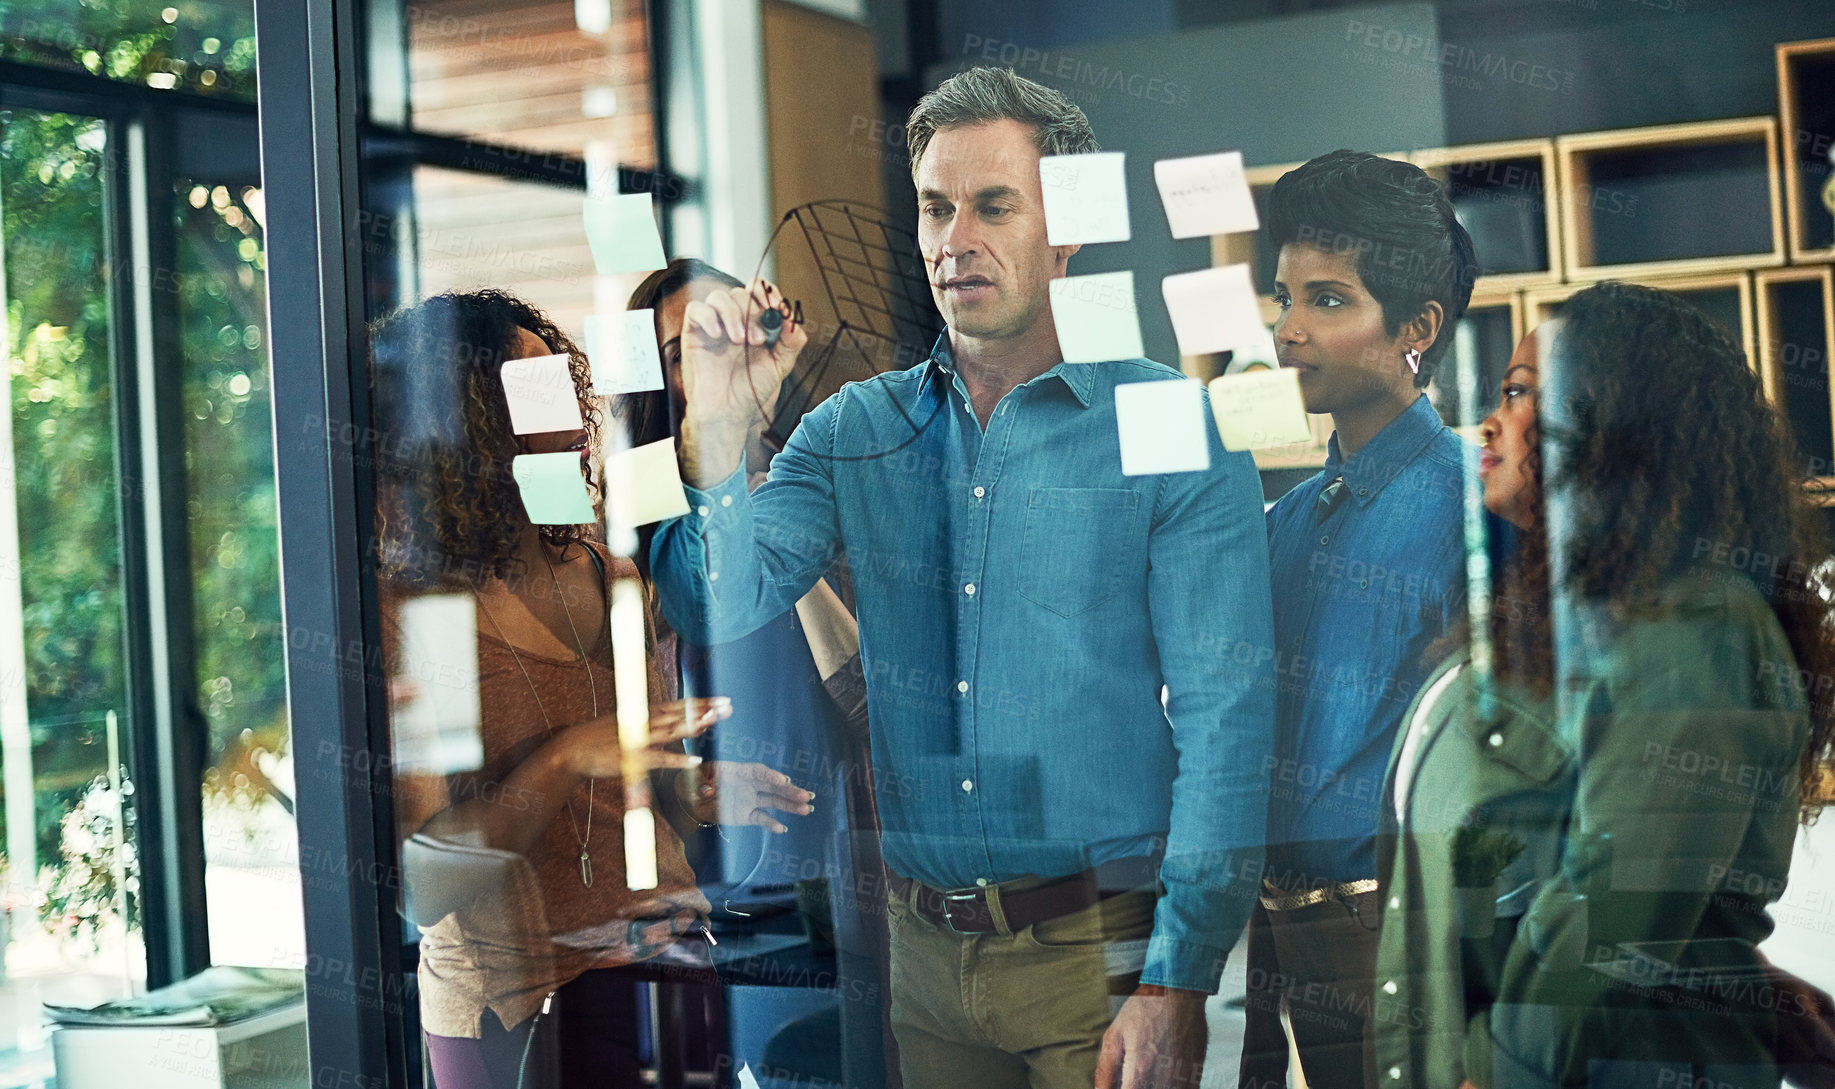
(1331, 331)
(981, 226)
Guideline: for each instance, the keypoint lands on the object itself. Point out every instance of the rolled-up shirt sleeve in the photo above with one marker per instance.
(737, 560)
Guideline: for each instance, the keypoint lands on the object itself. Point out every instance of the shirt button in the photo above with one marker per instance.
(962, 686)
(713, 576)
(1363, 491)
(1395, 1073)
(982, 881)
(1395, 903)
(726, 500)
(968, 785)
(702, 510)
(1364, 585)
(1325, 538)
(1495, 740)
(969, 589)
(980, 491)
(1389, 987)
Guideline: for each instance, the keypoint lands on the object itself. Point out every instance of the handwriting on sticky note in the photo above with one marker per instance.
(1096, 317)
(553, 489)
(644, 485)
(621, 229)
(1086, 198)
(1213, 309)
(1206, 195)
(622, 351)
(1162, 427)
(541, 395)
(1259, 409)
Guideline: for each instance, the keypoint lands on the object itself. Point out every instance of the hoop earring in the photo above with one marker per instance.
(1413, 359)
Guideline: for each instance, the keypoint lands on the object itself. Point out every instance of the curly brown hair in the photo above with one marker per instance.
(449, 512)
(1642, 377)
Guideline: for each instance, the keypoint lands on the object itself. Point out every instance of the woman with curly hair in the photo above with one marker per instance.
(1591, 804)
(515, 856)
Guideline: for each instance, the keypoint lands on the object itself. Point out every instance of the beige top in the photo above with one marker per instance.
(534, 925)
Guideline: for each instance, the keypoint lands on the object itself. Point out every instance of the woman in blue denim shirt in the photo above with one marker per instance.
(1581, 839)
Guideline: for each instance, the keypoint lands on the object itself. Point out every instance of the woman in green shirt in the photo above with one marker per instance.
(1593, 801)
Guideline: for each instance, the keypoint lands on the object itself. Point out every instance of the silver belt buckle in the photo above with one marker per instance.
(949, 920)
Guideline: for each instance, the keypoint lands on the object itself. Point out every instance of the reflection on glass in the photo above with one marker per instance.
(70, 928)
(250, 842)
(200, 46)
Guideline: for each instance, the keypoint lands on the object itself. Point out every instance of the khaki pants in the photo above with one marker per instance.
(1013, 1009)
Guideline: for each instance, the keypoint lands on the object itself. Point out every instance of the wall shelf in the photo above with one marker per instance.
(1625, 192)
(1796, 332)
(1806, 110)
(1507, 197)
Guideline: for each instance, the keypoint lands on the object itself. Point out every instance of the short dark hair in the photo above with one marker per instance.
(1400, 225)
(982, 96)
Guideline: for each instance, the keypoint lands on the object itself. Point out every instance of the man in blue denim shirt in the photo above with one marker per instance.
(1068, 668)
(1367, 558)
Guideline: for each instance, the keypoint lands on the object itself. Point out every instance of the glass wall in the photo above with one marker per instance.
(1293, 553)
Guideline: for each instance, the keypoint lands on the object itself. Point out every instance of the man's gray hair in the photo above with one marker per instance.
(982, 96)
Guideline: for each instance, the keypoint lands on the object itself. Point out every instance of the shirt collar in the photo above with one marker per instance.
(1078, 378)
(1384, 457)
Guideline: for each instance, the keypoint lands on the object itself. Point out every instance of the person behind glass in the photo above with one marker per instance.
(1367, 564)
(1022, 607)
(798, 678)
(828, 627)
(1581, 841)
(515, 858)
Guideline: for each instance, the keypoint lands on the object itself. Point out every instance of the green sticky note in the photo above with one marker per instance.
(621, 229)
(553, 489)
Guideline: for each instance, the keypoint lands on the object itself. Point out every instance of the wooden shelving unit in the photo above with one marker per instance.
(1806, 110)
(1507, 194)
(1712, 176)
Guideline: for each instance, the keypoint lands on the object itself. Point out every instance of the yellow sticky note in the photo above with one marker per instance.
(1086, 198)
(621, 229)
(1213, 309)
(644, 485)
(1258, 409)
(541, 395)
(553, 489)
(1162, 427)
(1206, 195)
(1096, 317)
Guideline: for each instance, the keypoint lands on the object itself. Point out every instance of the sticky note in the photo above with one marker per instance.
(622, 351)
(1206, 195)
(1086, 198)
(1096, 318)
(1258, 409)
(621, 229)
(644, 485)
(1213, 309)
(747, 1080)
(553, 489)
(541, 395)
(639, 849)
(1162, 427)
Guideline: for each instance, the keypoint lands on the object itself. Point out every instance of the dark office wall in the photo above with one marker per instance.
(1279, 89)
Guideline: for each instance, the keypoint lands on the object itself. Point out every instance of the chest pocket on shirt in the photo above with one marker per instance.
(1076, 547)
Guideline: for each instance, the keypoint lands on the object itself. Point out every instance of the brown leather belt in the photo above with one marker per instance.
(966, 911)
